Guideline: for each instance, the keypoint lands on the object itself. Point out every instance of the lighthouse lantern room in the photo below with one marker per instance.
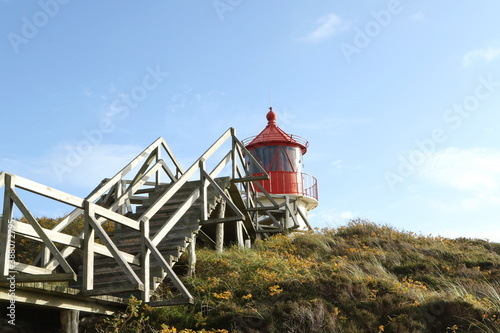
(281, 156)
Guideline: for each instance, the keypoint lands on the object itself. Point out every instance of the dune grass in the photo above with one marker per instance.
(361, 277)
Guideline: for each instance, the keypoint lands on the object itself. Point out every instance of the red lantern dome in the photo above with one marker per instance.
(281, 155)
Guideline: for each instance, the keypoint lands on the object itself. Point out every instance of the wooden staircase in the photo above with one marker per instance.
(158, 212)
(111, 280)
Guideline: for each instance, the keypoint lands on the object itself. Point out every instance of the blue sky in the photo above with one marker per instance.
(399, 100)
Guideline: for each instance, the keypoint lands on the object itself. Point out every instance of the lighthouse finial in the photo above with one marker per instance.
(271, 116)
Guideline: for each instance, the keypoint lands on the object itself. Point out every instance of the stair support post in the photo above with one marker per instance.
(239, 235)
(88, 249)
(219, 228)
(192, 257)
(145, 260)
(288, 218)
(69, 321)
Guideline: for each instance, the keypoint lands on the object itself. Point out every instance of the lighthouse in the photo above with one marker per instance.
(282, 156)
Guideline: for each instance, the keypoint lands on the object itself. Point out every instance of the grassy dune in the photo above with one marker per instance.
(359, 278)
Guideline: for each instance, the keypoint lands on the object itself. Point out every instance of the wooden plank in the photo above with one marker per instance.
(62, 302)
(48, 192)
(114, 288)
(2, 178)
(25, 229)
(29, 269)
(39, 230)
(115, 217)
(61, 277)
(262, 208)
(220, 220)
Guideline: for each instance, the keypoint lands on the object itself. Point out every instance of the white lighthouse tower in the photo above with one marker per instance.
(281, 155)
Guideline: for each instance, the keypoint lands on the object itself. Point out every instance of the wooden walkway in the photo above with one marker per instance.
(158, 211)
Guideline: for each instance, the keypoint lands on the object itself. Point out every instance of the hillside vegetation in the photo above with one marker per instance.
(358, 278)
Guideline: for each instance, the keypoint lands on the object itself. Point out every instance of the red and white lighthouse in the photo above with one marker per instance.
(281, 155)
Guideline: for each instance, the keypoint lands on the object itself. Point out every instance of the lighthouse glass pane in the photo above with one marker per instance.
(290, 159)
(277, 158)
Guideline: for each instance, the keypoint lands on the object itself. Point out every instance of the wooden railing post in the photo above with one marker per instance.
(233, 152)
(6, 226)
(88, 249)
(158, 158)
(203, 191)
(145, 260)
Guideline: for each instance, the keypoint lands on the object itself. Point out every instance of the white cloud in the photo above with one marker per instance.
(476, 170)
(487, 54)
(472, 174)
(327, 26)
